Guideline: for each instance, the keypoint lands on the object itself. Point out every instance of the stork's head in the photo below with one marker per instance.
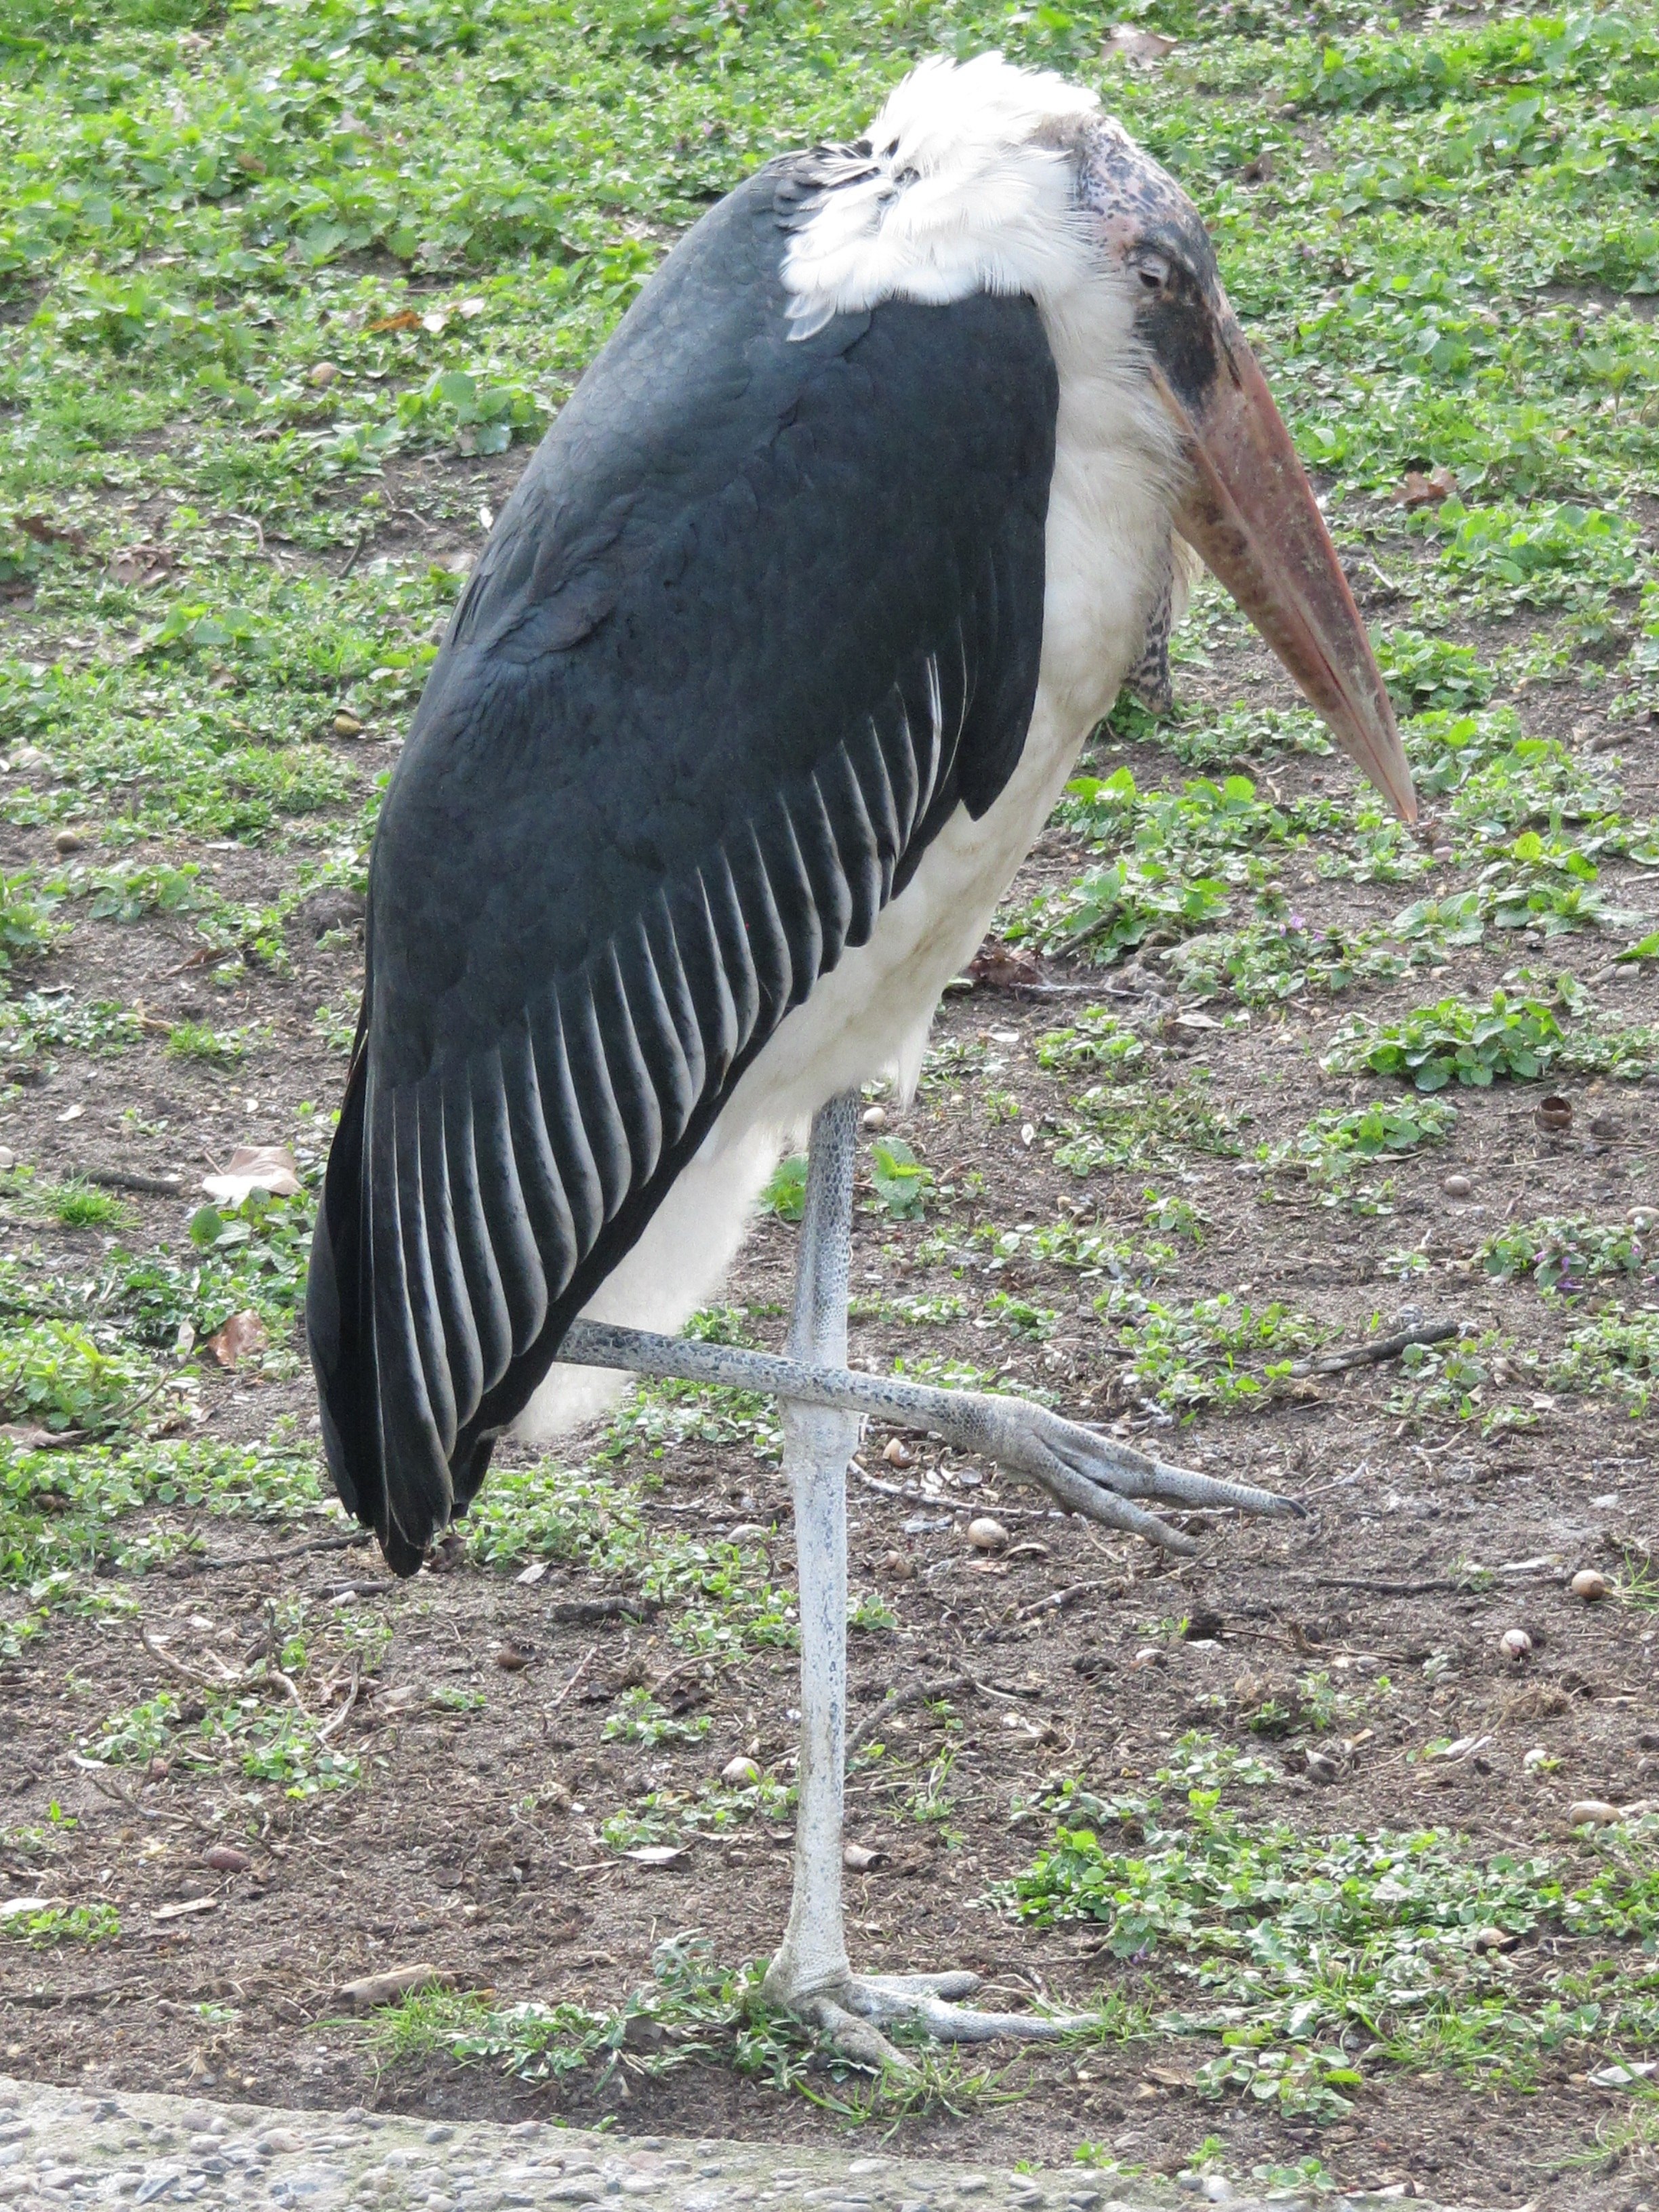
(982, 177)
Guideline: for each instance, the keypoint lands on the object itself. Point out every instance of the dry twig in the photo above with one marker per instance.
(582, 1666)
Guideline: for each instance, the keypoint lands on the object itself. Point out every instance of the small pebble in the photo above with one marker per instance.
(875, 1117)
(897, 1452)
(1589, 1585)
(985, 1535)
(68, 841)
(347, 726)
(740, 1773)
(323, 375)
(1515, 1644)
(1458, 1186)
(225, 1858)
(1592, 1813)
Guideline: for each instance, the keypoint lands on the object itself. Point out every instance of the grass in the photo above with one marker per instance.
(1457, 1041)
(694, 2012)
(273, 283)
(1296, 1951)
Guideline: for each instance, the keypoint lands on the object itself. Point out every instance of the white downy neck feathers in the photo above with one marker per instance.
(970, 192)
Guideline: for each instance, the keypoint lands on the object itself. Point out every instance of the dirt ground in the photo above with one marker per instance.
(435, 1859)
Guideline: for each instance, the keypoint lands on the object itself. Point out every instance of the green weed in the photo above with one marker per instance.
(1534, 557)
(94, 1923)
(1132, 1126)
(1565, 1252)
(1619, 1352)
(1097, 1039)
(83, 1205)
(1289, 1942)
(1273, 962)
(693, 2012)
(196, 1040)
(640, 1719)
(1214, 1351)
(900, 1182)
(785, 1193)
(1113, 910)
(1339, 1140)
(1429, 674)
(1453, 1041)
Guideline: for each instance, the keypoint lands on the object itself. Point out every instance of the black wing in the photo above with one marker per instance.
(760, 616)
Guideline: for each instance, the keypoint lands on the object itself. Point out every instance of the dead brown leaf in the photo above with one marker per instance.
(1417, 489)
(243, 1333)
(269, 1168)
(141, 567)
(407, 320)
(998, 968)
(47, 533)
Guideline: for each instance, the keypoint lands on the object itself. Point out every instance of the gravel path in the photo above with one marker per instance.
(61, 2148)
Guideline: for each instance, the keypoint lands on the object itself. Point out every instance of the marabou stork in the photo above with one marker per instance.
(765, 683)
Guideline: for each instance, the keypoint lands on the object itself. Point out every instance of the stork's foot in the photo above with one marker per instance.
(1094, 1474)
(853, 2013)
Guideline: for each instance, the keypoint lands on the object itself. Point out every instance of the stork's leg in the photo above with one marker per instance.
(811, 1973)
(817, 1442)
(825, 1406)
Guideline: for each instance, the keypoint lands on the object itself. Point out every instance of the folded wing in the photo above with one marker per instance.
(760, 617)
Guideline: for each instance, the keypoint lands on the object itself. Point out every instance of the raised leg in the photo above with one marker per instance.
(1091, 1473)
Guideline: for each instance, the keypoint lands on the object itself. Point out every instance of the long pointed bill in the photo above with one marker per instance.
(1250, 516)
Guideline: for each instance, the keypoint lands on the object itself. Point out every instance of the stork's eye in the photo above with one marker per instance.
(1156, 274)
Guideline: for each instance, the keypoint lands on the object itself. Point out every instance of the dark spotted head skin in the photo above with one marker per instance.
(1144, 225)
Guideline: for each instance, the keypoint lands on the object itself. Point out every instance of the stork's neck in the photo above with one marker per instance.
(1115, 482)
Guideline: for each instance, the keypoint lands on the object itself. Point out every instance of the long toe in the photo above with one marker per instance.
(924, 2001)
(1129, 1473)
(905, 1987)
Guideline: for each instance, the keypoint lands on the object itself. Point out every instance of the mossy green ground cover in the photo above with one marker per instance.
(287, 293)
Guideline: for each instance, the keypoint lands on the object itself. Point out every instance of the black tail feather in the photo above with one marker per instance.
(340, 1333)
